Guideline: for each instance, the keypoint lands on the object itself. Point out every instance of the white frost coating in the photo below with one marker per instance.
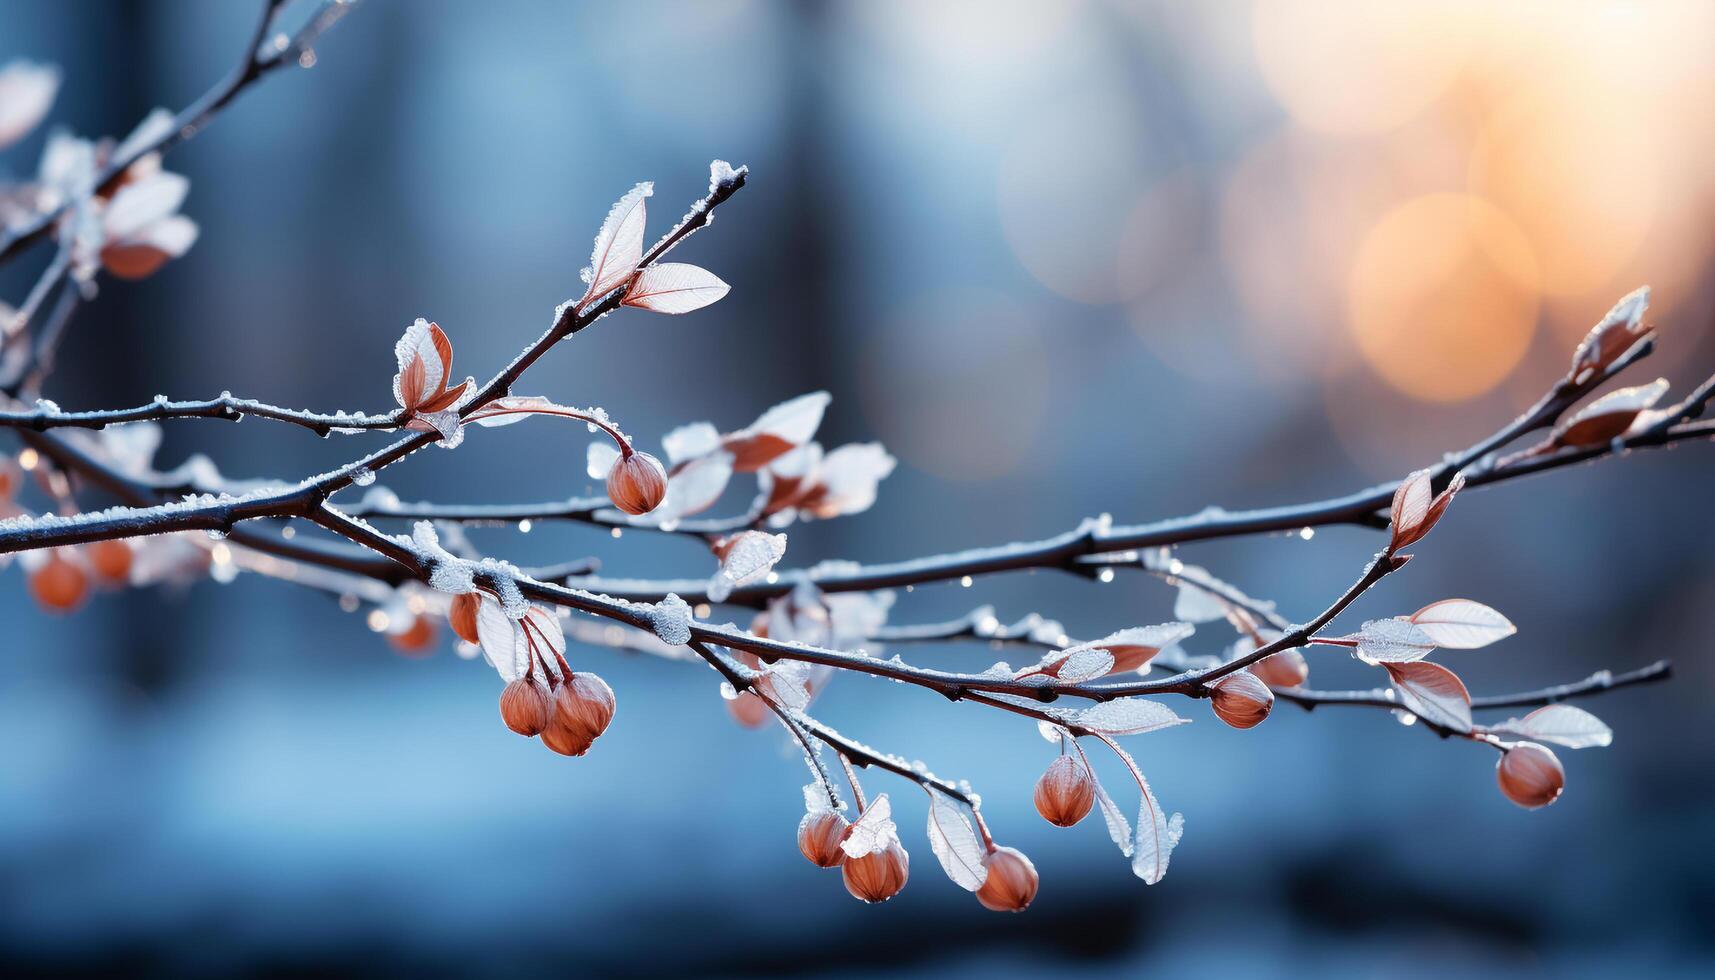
(873, 830)
(1392, 641)
(816, 798)
(1085, 665)
(363, 476)
(1629, 310)
(749, 557)
(510, 597)
(688, 442)
(671, 620)
(722, 173)
(954, 842)
(1619, 402)
(1126, 716)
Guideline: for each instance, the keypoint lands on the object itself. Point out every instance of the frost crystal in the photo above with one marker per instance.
(671, 620)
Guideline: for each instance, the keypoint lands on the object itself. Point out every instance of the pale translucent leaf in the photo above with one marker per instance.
(794, 421)
(1196, 605)
(140, 204)
(1562, 724)
(675, 287)
(1411, 503)
(1119, 828)
(1461, 624)
(1433, 693)
(695, 487)
(619, 245)
(955, 843)
(498, 636)
(849, 478)
(1156, 834)
(27, 92)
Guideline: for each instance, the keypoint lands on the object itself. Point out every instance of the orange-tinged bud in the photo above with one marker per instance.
(111, 561)
(1241, 699)
(1530, 775)
(1011, 882)
(59, 585)
(584, 704)
(415, 640)
(1066, 791)
(566, 740)
(1288, 668)
(526, 707)
(877, 876)
(637, 483)
(819, 836)
(462, 616)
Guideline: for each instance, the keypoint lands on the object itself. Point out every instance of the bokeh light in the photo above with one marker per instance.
(1444, 296)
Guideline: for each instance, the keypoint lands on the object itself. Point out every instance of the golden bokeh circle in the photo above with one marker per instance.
(1443, 297)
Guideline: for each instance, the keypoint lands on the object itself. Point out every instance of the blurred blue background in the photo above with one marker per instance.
(1062, 258)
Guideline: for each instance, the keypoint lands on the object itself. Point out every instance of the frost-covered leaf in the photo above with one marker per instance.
(847, 481)
(1195, 605)
(602, 456)
(1393, 641)
(955, 843)
(1085, 665)
(674, 287)
(142, 203)
(778, 431)
(1134, 647)
(746, 558)
(516, 408)
(690, 441)
(425, 358)
(695, 487)
(788, 684)
(27, 92)
(1411, 504)
(1119, 828)
(872, 831)
(1562, 724)
(1461, 624)
(1433, 693)
(619, 245)
(1609, 416)
(1613, 336)
(1156, 833)
(1124, 716)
